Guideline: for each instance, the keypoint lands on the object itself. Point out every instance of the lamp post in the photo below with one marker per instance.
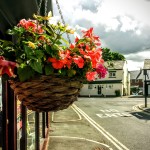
(145, 88)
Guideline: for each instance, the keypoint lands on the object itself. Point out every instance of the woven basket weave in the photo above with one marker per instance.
(47, 93)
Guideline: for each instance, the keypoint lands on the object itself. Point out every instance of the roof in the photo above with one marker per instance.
(118, 64)
(146, 64)
(136, 73)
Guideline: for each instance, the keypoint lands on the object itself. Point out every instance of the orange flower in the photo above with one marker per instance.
(90, 76)
(57, 64)
(31, 24)
(79, 61)
(72, 46)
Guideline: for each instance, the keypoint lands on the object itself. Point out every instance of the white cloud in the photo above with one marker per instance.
(134, 65)
(123, 25)
(136, 60)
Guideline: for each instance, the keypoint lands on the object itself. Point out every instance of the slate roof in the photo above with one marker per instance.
(135, 73)
(115, 64)
(146, 64)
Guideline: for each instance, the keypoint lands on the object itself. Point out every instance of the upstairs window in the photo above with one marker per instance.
(112, 74)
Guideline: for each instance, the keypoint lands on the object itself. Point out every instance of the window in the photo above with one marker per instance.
(112, 74)
(110, 86)
(90, 86)
(136, 81)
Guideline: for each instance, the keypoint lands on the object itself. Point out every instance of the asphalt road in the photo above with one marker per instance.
(120, 119)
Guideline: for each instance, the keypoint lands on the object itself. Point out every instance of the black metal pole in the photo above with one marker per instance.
(23, 144)
(145, 89)
(47, 123)
(12, 121)
(4, 115)
(43, 124)
(37, 135)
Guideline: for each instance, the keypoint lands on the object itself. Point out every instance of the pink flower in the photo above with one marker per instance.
(101, 71)
(90, 76)
(31, 24)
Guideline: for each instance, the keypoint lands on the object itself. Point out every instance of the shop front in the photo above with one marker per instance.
(22, 129)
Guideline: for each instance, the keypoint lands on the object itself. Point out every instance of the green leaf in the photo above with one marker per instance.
(64, 40)
(49, 70)
(36, 65)
(62, 72)
(48, 49)
(71, 73)
(28, 51)
(39, 53)
(25, 73)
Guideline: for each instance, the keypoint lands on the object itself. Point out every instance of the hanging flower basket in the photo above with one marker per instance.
(47, 93)
(46, 70)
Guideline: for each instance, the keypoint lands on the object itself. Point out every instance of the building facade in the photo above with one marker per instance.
(136, 81)
(116, 82)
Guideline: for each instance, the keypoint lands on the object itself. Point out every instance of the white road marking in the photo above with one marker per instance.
(109, 110)
(105, 115)
(112, 139)
(138, 115)
(112, 113)
(102, 116)
(84, 139)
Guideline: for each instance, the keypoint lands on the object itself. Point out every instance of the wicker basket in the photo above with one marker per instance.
(47, 93)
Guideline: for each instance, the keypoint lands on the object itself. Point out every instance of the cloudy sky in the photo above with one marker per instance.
(123, 25)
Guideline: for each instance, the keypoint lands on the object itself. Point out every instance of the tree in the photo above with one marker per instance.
(109, 56)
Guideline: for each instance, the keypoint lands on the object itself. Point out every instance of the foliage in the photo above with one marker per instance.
(38, 49)
(109, 56)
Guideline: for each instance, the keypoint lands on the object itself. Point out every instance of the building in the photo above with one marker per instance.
(116, 82)
(136, 82)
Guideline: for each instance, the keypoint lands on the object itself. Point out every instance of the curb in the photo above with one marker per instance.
(147, 109)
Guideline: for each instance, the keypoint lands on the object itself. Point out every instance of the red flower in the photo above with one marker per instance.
(72, 46)
(66, 58)
(95, 55)
(88, 33)
(92, 37)
(90, 76)
(79, 61)
(76, 39)
(57, 64)
(7, 67)
(31, 25)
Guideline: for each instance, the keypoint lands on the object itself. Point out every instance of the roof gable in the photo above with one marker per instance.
(147, 64)
(136, 73)
(119, 64)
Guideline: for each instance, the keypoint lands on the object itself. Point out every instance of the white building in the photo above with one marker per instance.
(116, 82)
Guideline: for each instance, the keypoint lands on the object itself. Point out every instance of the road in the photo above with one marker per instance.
(118, 118)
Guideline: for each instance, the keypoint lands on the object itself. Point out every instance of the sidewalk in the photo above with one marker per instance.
(70, 131)
(143, 108)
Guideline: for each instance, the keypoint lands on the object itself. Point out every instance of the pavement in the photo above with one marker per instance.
(70, 131)
(143, 108)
